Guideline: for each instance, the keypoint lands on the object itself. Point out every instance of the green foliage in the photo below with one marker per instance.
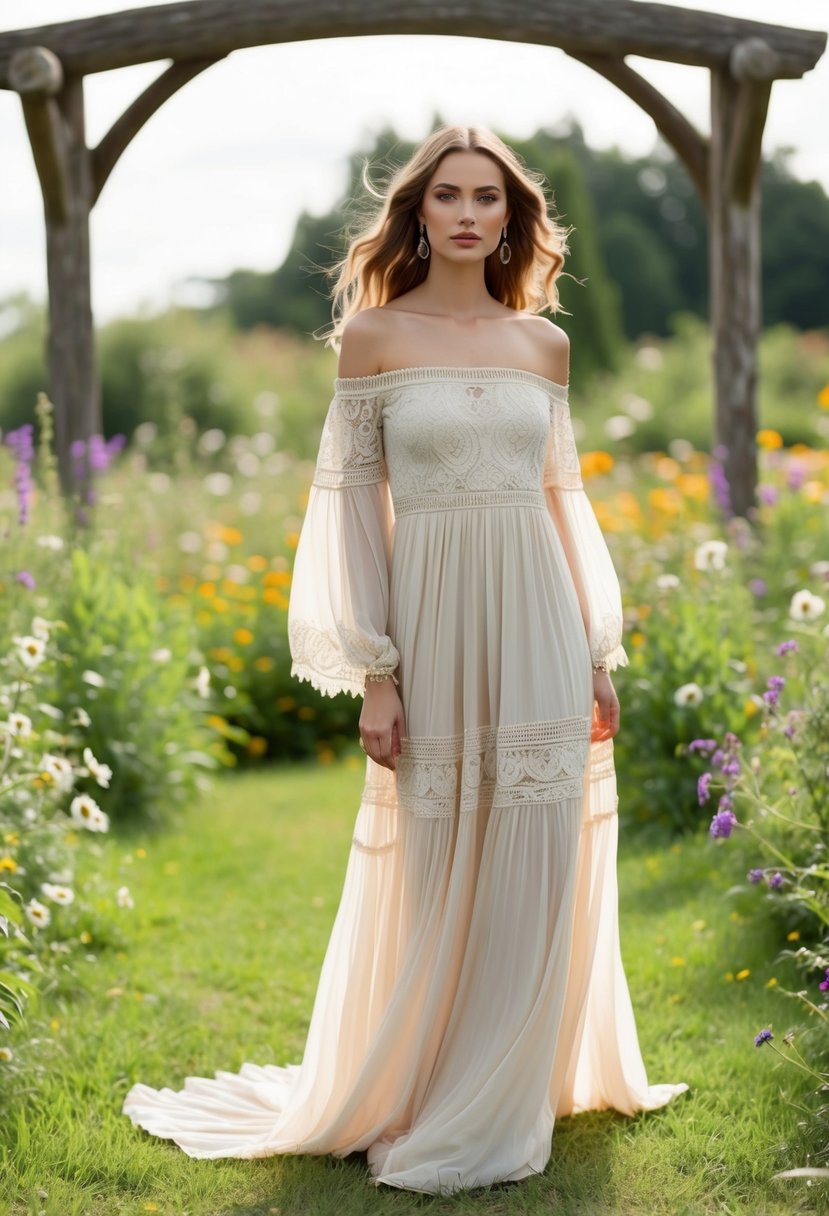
(129, 659)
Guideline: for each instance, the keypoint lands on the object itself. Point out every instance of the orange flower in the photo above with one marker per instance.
(276, 578)
(231, 536)
(257, 746)
(243, 636)
(256, 562)
(769, 439)
(595, 463)
(208, 590)
(823, 397)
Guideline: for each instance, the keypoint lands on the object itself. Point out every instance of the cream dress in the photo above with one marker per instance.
(473, 988)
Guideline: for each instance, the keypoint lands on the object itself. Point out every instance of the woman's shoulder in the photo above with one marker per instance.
(360, 342)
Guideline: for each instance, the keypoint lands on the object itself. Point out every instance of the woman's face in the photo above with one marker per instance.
(465, 195)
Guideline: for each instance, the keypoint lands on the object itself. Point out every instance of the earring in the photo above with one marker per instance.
(423, 249)
(504, 253)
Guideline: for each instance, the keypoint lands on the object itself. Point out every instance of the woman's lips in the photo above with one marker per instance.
(466, 240)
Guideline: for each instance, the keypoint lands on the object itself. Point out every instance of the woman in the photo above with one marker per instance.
(451, 571)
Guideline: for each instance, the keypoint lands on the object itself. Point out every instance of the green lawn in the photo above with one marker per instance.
(218, 964)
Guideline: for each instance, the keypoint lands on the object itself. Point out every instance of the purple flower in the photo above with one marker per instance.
(725, 803)
(20, 442)
(785, 647)
(767, 494)
(824, 983)
(731, 740)
(731, 767)
(718, 479)
(776, 881)
(758, 587)
(718, 757)
(762, 1037)
(27, 579)
(702, 745)
(722, 823)
(703, 782)
(755, 876)
(775, 685)
(795, 476)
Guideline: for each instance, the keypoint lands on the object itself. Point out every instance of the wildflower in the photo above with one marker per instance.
(19, 725)
(667, 582)
(50, 542)
(93, 678)
(123, 898)
(769, 439)
(61, 895)
(776, 881)
(57, 769)
(38, 913)
(688, 694)
(703, 783)
(6, 1054)
(725, 803)
(87, 814)
(202, 682)
(27, 579)
(711, 555)
(8, 864)
(775, 685)
(767, 494)
(79, 717)
(20, 442)
(101, 772)
(824, 983)
(743, 975)
(755, 876)
(805, 607)
(31, 650)
(785, 647)
(722, 824)
(758, 587)
(702, 745)
(762, 1037)
(718, 479)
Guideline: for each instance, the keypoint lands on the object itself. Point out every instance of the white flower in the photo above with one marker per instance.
(203, 682)
(819, 569)
(41, 627)
(101, 772)
(667, 582)
(123, 898)
(805, 606)
(247, 464)
(19, 725)
(162, 655)
(619, 426)
(50, 542)
(237, 574)
(211, 441)
(87, 814)
(31, 650)
(51, 711)
(79, 717)
(688, 694)
(218, 484)
(217, 551)
(59, 769)
(93, 678)
(711, 555)
(638, 407)
(6, 1054)
(38, 913)
(649, 357)
(190, 542)
(263, 443)
(60, 894)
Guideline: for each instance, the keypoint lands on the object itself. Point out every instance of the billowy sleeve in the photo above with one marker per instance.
(339, 598)
(588, 556)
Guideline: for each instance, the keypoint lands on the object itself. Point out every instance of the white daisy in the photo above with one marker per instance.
(84, 811)
(38, 913)
(805, 606)
(667, 582)
(203, 682)
(6, 1054)
(79, 717)
(58, 893)
(41, 627)
(92, 677)
(711, 555)
(59, 769)
(688, 694)
(19, 725)
(101, 772)
(123, 898)
(31, 650)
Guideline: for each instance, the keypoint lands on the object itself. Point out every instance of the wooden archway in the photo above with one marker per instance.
(46, 66)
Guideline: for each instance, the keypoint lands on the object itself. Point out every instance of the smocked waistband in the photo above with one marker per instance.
(408, 504)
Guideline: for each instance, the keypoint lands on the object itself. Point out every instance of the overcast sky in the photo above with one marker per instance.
(217, 177)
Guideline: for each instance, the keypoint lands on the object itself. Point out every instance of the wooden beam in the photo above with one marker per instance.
(207, 29)
(750, 64)
(686, 141)
(37, 75)
(105, 155)
(734, 254)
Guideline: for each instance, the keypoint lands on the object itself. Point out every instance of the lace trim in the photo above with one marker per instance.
(321, 656)
(408, 504)
(521, 765)
(351, 444)
(406, 375)
(601, 760)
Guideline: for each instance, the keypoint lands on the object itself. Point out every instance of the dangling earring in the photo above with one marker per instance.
(423, 249)
(505, 253)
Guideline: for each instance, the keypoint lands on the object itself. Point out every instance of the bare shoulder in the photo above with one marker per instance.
(362, 342)
(552, 345)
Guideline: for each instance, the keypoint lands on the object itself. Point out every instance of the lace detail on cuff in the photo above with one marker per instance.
(319, 658)
(351, 444)
(520, 765)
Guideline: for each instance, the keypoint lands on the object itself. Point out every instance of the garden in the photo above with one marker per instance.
(176, 809)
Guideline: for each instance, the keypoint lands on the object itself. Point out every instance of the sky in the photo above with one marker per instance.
(217, 178)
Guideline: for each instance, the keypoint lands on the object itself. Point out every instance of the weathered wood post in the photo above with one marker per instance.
(53, 108)
(739, 102)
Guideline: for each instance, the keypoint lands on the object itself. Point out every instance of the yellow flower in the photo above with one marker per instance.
(794, 936)
(769, 439)
(11, 838)
(292, 540)
(141, 853)
(677, 961)
(823, 397)
(263, 663)
(150, 1207)
(750, 708)
(771, 983)
(231, 536)
(8, 863)
(208, 590)
(274, 596)
(729, 975)
(666, 500)
(54, 1024)
(257, 562)
(637, 640)
(219, 605)
(243, 636)
(694, 485)
(85, 937)
(276, 578)
(741, 975)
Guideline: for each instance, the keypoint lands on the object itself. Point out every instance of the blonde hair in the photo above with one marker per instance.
(382, 262)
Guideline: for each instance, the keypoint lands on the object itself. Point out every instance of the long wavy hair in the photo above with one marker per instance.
(381, 262)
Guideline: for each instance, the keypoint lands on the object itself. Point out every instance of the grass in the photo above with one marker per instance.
(218, 963)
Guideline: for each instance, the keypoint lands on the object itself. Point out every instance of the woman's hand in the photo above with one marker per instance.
(605, 708)
(382, 722)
